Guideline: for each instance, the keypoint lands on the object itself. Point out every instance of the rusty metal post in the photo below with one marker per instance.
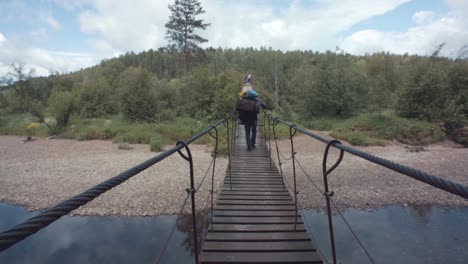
(275, 122)
(329, 194)
(191, 191)
(269, 139)
(213, 172)
(229, 154)
(293, 157)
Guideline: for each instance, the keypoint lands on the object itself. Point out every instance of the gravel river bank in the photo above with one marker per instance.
(41, 173)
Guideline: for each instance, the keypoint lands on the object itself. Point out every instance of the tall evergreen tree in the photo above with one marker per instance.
(181, 26)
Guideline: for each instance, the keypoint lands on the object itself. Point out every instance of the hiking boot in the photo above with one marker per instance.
(249, 148)
(253, 146)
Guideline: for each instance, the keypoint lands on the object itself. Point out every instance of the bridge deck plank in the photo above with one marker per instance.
(255, 219)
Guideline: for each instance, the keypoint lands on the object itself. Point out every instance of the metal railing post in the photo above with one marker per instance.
(233, 135)
(293, 157)
(264, 130)
(329, 194)
(229, 154)
(269, 139)
(192, 191)
(213, 172)
(275, 122)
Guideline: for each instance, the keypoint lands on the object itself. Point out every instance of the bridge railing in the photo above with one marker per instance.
(32, 225)
(270, 122)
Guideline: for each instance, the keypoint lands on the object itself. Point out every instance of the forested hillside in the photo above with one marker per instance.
(319, 90)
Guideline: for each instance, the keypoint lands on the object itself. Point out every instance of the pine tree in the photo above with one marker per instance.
(181, 26)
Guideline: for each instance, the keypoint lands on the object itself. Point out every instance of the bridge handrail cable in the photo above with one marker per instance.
(32, 225)
(438, 182)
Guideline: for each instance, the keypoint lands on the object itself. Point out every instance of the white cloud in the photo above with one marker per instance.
(298, 25)
(126, 26)
(70, 4)
(423, 17)
(42, 60)
(114, 27)
(51, 21)
(421, 39)
(2, 39)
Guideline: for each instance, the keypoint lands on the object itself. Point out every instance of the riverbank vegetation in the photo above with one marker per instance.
(146, 97)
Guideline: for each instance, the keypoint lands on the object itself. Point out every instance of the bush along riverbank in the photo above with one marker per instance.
(373, 129)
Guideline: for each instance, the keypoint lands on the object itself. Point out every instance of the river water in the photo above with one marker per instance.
(391, 235)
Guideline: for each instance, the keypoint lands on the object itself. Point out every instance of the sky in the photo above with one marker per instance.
(67, 35)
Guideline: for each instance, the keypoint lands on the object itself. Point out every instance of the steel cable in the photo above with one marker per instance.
(352, 231)
(206, 173)
(339, 212)
(172, 229)
(313, 237)
(308, 177)
(302, 212)
(19, 232)
(441, 183)
(281, 154)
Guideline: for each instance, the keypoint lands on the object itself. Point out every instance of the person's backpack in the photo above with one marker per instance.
(248, 106)
(251, 94)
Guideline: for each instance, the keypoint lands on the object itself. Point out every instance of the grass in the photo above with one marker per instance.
(358, 138)
(364, 130)
(156, 143)
(121, 131)
(22, 125)
(373, 129)
(324, 123)
(114, 128)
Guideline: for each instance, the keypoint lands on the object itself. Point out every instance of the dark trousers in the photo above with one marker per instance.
(250, 133)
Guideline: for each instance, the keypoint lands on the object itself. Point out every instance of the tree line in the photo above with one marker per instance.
(149, 86)
(183, 79)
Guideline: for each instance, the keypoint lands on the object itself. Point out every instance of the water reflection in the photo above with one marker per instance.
(391, 234)
(185, 226)
(397, 234)
(92, 239)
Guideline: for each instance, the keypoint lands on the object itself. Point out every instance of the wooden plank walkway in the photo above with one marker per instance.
(255, 219)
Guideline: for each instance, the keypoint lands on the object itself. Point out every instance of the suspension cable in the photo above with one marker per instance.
(308, 176)
(206, 173)
(282, 156)
(299, 202)
(276, 104)
(438, 182)
(313, 237)
(172, 229)
(339, 212)
(23, 230)
(210, 193)
(352, 231)
(205, 218)
(337, 209)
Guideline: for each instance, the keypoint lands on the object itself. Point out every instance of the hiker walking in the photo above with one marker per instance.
(248, 107)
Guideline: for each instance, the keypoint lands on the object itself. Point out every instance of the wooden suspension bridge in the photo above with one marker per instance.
(255, 218)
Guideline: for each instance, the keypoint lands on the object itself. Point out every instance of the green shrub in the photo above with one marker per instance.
(365, 129)
(56, 130)
(181, 128)
(281, 131)
(357, 138)
(156, 143)
(21, 125)
(124, 146)
(323, 123)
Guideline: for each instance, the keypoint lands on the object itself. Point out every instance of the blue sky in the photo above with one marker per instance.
(67, 35)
